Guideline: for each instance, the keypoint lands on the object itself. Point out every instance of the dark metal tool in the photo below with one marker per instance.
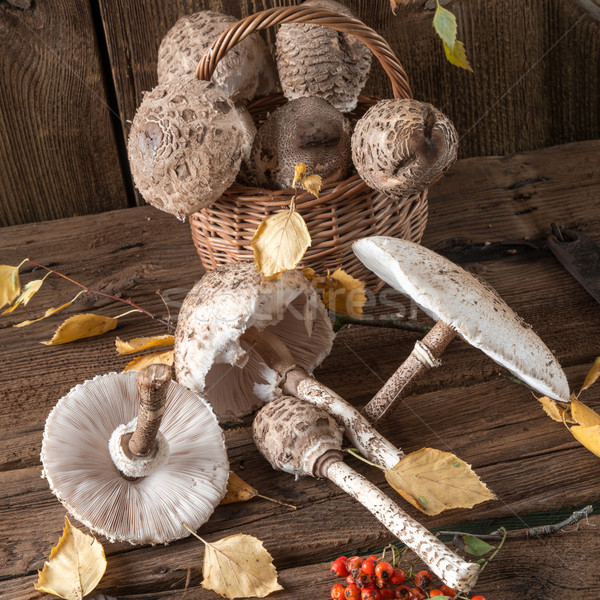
(580, 255)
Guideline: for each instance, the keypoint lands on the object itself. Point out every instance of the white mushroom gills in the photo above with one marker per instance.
(302, 439)
(462, 305)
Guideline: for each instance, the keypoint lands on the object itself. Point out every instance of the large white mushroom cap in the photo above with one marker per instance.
(188, 481)
(447, 292)
(210, 358)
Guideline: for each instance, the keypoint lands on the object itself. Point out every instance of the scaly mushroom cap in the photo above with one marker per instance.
(402, 146)
(307, 130)
(292, 434)
(246, 71)
(185, 483)
(186, 144)
(209, 355)
(447, 292)
(313, 60)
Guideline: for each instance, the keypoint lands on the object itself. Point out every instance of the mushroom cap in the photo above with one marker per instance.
(209, 355)
(78, 465)
(313, 60)
(246, 71)
(292, 434)
(447, 292)
(307, 130)
(186, 144)
(402, 146)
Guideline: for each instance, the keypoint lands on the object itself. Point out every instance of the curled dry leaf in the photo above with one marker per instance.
(26, 294)
(299, 173)
(142, 343)
(49, 312)
(592, 376)
(76, 565)
(137, 364)
(434, 481)
(557, 412)
(239, 566)
(280, 242)
(81, 326)
(342, 293)
(238, 490)
(312, 184)
(10, 285)
(588, 436)
(583, 414)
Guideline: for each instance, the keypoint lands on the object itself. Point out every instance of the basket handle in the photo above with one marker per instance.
(235, 33)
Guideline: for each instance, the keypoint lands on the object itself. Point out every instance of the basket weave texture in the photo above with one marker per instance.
(345, 210)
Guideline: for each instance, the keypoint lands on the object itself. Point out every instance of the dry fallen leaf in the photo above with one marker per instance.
(10, 285)
(434, 481)
(299, 173)
(239, 566)
(29, 289)
(155, 358)
(142, 343)
(76, 565)
(583, 414)
(49, 312)
(238, 490)
(280, 242)
(592, 376)
(342, 293)
(557, 412)
(588, 436)
(312, 184)
(81, 326)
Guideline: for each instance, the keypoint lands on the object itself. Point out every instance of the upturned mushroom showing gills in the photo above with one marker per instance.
(462, 305)
(401, 146)
(302, 439)
(313, 60)
(186, 145)
(245, 72)
(307, 130)
(131, 478)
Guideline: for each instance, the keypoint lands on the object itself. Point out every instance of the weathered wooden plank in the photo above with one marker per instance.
(58, 152)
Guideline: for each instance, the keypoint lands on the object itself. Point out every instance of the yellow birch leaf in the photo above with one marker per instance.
(10, 286)
(155, 358)
(49, 312)
(434, 481)
(444, 23)
(312, 184)
(29, 289)
(555, 411)
(592, 376)
(280, 242)
(81, 326)
(457, 56)
(238, 490)
(583, 414)
(239, 566)
(299, 173)
(76, 565)
(588, 436)
(347, 296)
(142, 343)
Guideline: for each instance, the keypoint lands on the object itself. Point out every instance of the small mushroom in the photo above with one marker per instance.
(307, 130)
(402, 146)
(302, 439)
(124, 477)
(462, 305)
(313, 60)
(186, 145)
(244, 72)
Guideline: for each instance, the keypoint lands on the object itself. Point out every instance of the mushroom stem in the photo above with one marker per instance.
(450, 568)
(152, 383)
(425, 355)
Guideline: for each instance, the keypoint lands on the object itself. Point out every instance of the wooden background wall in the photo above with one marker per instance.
(73, 71)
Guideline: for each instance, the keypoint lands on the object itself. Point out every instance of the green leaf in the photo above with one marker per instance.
(444, 23)
(475, 546)
(457, 56)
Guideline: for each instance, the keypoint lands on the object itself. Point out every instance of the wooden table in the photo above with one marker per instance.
(489, 214)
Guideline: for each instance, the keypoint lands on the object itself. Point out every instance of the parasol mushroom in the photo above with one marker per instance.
(462, 305)
(122, 476)
(302, 439)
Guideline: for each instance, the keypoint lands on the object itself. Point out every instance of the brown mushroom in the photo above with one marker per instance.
(307, 130)
(313, 60)
(402, 146)
(302, 439)
(186, 144)
(244, 72)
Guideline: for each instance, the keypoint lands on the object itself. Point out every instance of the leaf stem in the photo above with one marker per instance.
(277, 501)
(195, 534)
(354, 452)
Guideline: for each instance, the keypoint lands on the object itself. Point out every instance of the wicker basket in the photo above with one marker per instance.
(346, 210)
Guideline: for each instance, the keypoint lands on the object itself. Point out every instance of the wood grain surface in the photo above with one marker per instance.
(58, 152)
(469, 406)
